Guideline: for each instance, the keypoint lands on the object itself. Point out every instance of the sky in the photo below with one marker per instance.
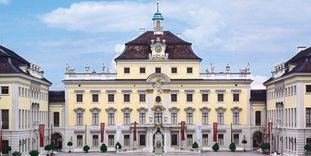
(53, 33)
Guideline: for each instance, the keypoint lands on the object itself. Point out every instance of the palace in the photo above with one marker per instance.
(157, 96)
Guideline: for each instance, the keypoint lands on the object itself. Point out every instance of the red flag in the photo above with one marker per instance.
(1, 137)
(183, 127)
(215, 130)
(102, 129)
(134, 131)
(41, 132)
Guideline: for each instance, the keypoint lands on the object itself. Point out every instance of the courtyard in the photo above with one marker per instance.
(165, 154)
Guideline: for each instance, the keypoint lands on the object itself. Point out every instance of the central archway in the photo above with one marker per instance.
(57, 140)
(257, 139)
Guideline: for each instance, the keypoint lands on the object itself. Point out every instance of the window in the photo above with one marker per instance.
(4, 90)
(142, 140)
(236, 118)
(95, 120)
(95, 97)
(174, 118)
(236, 139)
(111, 97)
(220, 118)
(110, 118)
(110, 140)
(56, 119)
(79, 119)
(308, 140)
(5, 118)
(189, 139)
(308, 88)
(258, 118)
(221, 139)
(157, 70)
(142, 118)
(142, 70)
(126, 70)
(126, 140)
(204, 97)
(204, 118)
(142, 97)
(174, 97)
(126, 97)
(95, 140)
(127, 119)
(308, 117)
(79, 140)
(189, 70)
(189, 118)
(220, 97)
(189, 97)
(174, 70)
(79, 97)
(236, 97)
(157, 118)
(205, 139)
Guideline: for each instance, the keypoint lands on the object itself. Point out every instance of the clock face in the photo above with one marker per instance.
(158, 48)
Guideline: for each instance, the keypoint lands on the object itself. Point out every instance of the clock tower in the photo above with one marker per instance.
(158, 22)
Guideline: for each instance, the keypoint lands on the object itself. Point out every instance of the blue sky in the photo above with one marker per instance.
(52, 33)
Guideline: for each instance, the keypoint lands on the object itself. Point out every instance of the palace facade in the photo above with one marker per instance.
(158, 92)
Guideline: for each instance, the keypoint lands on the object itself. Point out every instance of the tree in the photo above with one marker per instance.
(244, 142)
(16, 153)
(6, 149)
(34, 153)
(265, 147)
(232, 147)
(86, 148)
(69, 143)
(215, 147)
(308, 147)
(118, 146)
(103, 148)
(48, 148)
(195, 145)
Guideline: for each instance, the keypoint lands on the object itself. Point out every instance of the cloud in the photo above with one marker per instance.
(258, 82)
(4, 1)
(100, 16)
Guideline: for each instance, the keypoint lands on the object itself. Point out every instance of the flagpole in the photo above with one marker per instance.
(1, 138)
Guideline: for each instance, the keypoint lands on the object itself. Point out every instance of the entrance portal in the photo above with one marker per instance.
(257, 139)
(58, 141)
(158, 142)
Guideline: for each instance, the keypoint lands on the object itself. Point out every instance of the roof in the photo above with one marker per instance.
(10, 63)
(258, 95)
(301, 62)
(139, 48)
(56, 96)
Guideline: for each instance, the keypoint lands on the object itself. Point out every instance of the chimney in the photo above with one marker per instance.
(301, 48)
(142, 30)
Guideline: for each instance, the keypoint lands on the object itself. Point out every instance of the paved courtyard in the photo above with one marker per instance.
(165, 154)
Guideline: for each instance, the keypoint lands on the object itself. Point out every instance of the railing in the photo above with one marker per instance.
(90, 76)
(222, 75)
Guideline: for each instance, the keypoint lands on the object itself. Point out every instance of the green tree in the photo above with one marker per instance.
(86, 148)
(244, 142)
(48, 148)
(308, 147)
(103, 148)
(6, 149)
(69, 143)
(195, 145)
(215, 147)
(34, 153)
(16, 153)
(232, 147)
(265, 147)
